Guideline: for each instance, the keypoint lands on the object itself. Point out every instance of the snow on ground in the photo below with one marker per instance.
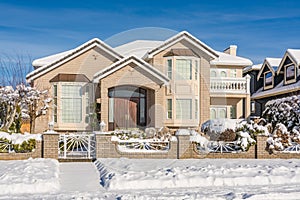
(29, 176)
(147, 179)
(125, 174)
(18, 138)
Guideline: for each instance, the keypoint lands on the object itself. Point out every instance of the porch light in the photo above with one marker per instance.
(102, 126)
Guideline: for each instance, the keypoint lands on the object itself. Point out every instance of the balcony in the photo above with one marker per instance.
(220, 85)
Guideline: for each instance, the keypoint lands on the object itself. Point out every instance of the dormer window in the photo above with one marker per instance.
(268, 80)
(290, 73)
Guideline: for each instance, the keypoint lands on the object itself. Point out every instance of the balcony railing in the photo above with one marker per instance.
(230, 85)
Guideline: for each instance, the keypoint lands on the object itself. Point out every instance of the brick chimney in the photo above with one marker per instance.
(231, 50)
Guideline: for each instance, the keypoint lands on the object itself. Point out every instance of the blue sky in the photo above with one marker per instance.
(259, 28)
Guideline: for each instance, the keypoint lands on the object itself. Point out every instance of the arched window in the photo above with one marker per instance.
(223, 74)
(213, 73)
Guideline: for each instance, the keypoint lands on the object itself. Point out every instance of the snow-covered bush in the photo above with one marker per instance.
(285, 111)
(19, 143)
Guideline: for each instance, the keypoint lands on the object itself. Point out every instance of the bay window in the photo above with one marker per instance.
(183, 69)
(183, 108)
(71, 103)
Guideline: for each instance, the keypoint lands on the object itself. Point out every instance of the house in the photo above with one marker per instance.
(179, 82)
(276, 78)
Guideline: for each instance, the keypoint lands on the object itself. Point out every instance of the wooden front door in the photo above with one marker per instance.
(125, 112)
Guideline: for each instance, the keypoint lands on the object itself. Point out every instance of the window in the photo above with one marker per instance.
(223, 74)
(169, 68)
(71, 101)
(290, 72)
(183, 69)
(268, 79)
(233, 73)
(169, 107)
(55, 103)
(253, 106)
(196, 70)
(111, 110)
(213, 113)
(232, 112)
(87, 104)
(213, 73)
(183, 109)
(196, 108)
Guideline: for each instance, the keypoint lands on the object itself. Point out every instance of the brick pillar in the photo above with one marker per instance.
(184, 146)
(261, 152)
(50, 145)
(105, 148)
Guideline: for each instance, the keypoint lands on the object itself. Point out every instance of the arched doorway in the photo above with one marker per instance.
(127, 107)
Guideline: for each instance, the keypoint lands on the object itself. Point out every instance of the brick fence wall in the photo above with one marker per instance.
(109, 149)
(37, 153)
(262, 153)
(50, 145)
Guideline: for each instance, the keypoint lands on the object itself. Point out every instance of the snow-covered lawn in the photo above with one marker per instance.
(151, 179)
(126, 174)
(29, 176)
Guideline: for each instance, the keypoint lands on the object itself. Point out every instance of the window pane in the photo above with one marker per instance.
(169, 68)
(142, 111)
(111, 110)
(196, 108)
(213, 74)
(169, 107)
(183, 69)
(223, 74)
(196, 70)
(71, 104)
(213, 114)
(290, 72)
(183, 109)
(268, 79)
(233, 112)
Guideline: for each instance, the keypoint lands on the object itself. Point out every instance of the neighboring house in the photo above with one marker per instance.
(180, 82)
(277, 78)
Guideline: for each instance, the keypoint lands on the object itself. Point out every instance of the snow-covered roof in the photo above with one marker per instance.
(131, 59)
(295, 54)
(252, 67)
(278, 89)
(272, 64)
(51, 62)
(184, 35)
(227, 59)
(48, 59)
(138, 47)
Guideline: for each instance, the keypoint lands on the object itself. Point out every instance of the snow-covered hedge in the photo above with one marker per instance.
(19, 143)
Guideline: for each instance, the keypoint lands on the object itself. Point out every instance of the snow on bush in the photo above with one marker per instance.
(283, 116)
(17, 142)
(29, 176)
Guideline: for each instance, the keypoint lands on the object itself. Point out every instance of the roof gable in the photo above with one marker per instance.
(293, 55)
(271, 63)
(54, 61)
(126, 61)
(178, 37)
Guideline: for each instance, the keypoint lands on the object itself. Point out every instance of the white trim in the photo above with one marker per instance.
(295, 74)
(178, 37)
(132, 59)
(268, 86)
(286, 55)
(71, 55)
(265, 63)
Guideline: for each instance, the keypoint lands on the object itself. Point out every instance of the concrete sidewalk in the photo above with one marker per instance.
(79, 177)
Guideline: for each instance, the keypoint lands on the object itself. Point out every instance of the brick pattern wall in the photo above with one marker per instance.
(50, 145)
(262, 153)
(23, 156)
(109, 149)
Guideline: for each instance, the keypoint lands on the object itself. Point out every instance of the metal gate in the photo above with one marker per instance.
(77, 146)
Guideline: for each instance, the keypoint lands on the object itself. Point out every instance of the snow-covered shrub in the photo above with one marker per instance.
(19, 143)
(284, 110)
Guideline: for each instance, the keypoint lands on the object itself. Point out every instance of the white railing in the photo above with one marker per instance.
(230, 85)
(76, 145)
(141, 145)
(219, 147)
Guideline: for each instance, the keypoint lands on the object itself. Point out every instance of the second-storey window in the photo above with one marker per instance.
(268, 79)
(183, 69)
(290, 72)
(71, 101)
